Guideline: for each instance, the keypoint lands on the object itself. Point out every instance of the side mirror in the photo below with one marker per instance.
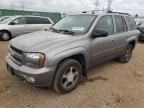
(99, 33)
(13, 23)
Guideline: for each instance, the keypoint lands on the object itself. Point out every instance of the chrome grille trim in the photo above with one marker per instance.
(16, 55)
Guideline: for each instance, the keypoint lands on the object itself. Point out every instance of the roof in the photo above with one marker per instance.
(109, 12)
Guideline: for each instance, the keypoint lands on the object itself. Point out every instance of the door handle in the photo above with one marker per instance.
(113, 39)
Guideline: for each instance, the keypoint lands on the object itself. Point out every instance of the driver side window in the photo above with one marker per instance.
(18, 21)
(105, 23)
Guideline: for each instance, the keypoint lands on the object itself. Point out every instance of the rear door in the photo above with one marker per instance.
(121, 33)
(37, 23)
(33, 24)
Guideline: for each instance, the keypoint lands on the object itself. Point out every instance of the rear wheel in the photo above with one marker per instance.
(5, 36)
(68, 76)
(127, 55)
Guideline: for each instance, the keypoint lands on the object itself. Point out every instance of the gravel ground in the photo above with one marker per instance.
(110, 85)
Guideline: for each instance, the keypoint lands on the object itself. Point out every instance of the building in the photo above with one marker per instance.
(55, 16)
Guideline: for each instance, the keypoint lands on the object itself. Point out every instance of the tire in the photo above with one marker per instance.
(5, 36)
(67, 76)
(127, 55)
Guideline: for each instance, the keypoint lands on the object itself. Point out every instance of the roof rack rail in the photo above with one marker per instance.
(118, 12)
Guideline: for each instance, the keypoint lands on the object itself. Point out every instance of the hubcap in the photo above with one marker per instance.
(128, 54)
(70, 77)
(5, 36)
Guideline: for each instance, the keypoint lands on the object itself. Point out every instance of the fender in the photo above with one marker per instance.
(71, 52)
(132, 38)
(6, 31)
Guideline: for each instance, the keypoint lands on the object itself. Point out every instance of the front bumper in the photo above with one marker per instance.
(38, 77)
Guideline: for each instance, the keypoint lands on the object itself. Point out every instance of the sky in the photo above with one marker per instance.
(74, 6)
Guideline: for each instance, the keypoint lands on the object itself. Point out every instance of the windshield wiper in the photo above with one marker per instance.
(54, 29)
(67, 31)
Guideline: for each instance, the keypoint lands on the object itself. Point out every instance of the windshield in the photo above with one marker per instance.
(3, 18)
(6, 20)
(75, 23)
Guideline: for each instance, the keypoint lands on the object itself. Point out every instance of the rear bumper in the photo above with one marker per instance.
(38, 77)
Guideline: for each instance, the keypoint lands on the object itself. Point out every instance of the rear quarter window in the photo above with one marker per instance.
(131, 23)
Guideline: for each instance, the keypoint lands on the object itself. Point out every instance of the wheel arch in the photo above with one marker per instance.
(79, 54)
(6, 31)
(133, 43)
(132, 40)
(78, 57)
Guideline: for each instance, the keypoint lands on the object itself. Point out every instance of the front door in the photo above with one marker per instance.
(18, 26)
(103, 48)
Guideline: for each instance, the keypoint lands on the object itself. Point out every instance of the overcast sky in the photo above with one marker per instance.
(131, 6)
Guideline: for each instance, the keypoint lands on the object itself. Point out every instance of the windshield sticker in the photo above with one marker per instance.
(78, 28)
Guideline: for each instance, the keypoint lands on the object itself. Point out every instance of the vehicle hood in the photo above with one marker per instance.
(39, 41)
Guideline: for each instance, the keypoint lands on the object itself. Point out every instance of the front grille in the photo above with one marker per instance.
(16, 55)
(17, 59)
(16, 50)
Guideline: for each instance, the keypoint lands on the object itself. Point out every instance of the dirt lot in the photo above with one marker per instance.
(110, 85)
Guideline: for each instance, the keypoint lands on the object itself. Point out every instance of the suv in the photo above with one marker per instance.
(60, 56)
(18, 25)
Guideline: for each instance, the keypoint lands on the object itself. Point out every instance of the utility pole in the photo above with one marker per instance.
(96, 5)
(96, 9)
(22, 4)
(12, 4)
(109, 5)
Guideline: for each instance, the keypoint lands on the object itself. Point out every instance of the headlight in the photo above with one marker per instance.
(34, 59)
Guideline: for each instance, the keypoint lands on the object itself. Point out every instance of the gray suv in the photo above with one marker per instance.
(60, 56)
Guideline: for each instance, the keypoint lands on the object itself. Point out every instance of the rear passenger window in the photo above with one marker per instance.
(131, 23)
(31, 20)
(120, 24)
(106, 24)
(124, 24)
(45, 21)
(37, 20)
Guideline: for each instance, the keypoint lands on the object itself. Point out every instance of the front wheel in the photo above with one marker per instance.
(68, 76)
(127, 55)
(5, 36)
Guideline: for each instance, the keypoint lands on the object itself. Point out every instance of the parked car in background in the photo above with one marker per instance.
(139, 21)
(18, 25)
(4, 18)
(141, 29)
(58, 57)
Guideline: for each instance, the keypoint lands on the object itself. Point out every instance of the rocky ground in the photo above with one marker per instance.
(110, 85)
